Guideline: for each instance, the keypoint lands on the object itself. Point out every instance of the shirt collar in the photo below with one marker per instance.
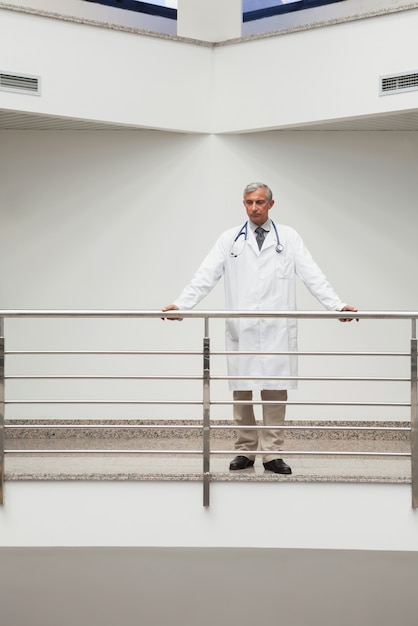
(266, 226)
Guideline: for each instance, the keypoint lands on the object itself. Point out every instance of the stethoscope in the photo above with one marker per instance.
(244, 234)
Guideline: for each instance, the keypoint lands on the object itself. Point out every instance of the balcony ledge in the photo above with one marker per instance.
(88, 450)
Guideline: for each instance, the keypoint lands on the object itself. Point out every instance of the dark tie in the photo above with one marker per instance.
(260, 236)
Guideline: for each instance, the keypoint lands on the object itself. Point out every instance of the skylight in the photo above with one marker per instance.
(258, 9)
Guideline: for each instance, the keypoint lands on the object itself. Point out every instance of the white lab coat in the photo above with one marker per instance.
(260, 280)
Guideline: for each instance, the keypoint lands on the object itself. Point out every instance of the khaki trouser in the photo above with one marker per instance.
(273, 415)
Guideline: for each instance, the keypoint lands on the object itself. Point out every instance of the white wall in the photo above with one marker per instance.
(82, 199)
(319, 74)
(209, 20)
(100, 14)
(281, 515)
(125, 78)
(104, 74)
(77, 208)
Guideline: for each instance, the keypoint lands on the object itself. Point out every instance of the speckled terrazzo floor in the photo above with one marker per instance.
(117, 455)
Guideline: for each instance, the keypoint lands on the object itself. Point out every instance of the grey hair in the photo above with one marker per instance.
(254, 186)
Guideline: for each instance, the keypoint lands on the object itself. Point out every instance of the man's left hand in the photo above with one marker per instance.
(348, 308)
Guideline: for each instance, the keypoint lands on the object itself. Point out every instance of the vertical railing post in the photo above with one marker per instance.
(414, 416)
(206, 414)
(1, 410)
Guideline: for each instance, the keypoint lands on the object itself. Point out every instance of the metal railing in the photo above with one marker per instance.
(206, 377)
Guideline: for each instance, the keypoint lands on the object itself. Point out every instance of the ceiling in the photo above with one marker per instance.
(18, 120)
(403, 120)
(398, 121)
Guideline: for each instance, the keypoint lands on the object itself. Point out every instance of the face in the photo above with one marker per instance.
(257, 206)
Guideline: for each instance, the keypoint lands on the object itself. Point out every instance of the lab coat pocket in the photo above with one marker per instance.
(283, 266)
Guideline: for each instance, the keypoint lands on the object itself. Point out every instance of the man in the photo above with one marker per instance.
(259, 262)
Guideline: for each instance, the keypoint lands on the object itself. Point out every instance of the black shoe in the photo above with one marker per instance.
(240, 462)
(278, 466)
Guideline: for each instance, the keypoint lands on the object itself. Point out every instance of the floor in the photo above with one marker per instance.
(39, 451)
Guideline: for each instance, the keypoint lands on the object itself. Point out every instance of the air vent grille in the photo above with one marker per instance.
(19, 83)
(398, 82)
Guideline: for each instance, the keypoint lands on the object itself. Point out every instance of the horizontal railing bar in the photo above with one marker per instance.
(317, 453)
(231, 426)
(196, 353)
(103, 352)
(148, 402)
(123, 313)
(96, 377)
(104, 426)
(213, 402)
(320, 378)
(215, 452)
(306, 403)
(186, 377)
(321, 428)
(306, 353)
(102, 451)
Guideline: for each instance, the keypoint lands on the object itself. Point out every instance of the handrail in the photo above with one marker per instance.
(201, 314)
(206, 378)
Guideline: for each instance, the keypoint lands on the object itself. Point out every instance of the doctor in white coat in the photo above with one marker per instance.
(259, 261)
